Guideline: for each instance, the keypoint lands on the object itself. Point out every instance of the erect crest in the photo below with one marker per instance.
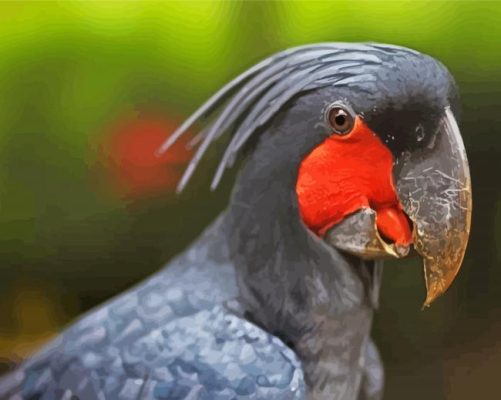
(252, 99)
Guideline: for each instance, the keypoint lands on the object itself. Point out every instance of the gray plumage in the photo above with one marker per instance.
(176, 336)
(170, 338)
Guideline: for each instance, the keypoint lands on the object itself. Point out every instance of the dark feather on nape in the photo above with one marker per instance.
(254, 119)
(234, 109)
(243, 132)
(228, 115)
(256, 86)
(214, 101)
(245, 97)
(271, 103)
(254, 97)
(285, 90)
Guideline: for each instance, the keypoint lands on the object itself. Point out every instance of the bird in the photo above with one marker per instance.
(350, 154)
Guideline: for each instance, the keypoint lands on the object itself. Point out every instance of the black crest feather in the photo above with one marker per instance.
(254, 97)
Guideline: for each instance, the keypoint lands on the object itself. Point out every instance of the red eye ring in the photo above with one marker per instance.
(340, 118)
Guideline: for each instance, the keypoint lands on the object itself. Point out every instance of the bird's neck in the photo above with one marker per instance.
(314, 298)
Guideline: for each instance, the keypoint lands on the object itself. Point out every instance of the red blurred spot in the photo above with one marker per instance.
(136, 168)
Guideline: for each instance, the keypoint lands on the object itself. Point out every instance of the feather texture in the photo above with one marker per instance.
(253, 98)
(169, 338)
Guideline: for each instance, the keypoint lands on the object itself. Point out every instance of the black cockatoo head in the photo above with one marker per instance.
(359, 143)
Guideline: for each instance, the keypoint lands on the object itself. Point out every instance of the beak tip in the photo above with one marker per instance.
(436, 194)
(430, 298)
(431, 295)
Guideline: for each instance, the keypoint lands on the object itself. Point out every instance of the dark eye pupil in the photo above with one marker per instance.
(340, 120)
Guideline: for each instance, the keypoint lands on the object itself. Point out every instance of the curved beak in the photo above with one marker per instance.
(434, 187)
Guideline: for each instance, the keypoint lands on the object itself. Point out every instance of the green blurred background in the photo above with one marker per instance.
(83, 217)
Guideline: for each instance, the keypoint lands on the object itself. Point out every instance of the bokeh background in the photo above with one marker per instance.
(89, 89)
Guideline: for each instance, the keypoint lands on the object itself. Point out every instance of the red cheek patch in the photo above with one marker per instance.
(346, 173)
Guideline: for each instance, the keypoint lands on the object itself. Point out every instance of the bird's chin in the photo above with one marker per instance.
(357, 234)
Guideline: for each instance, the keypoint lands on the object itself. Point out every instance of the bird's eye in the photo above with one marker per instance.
(340, 119)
